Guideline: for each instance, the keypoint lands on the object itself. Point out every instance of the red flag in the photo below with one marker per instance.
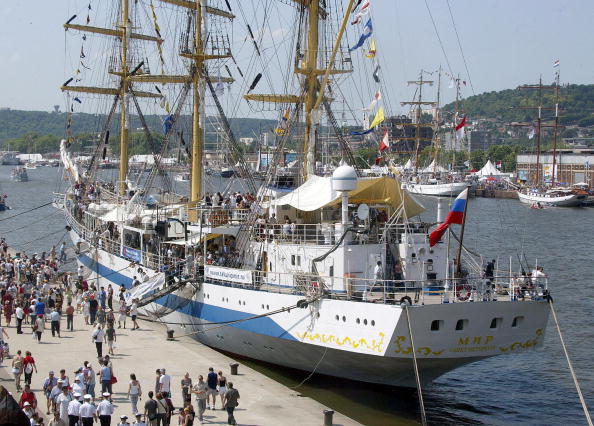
(385, 142)
(377, 160)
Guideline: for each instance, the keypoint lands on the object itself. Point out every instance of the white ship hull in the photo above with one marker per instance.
(361, 341)
(452, 189)
(571, 200)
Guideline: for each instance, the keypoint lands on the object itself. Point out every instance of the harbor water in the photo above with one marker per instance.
(528, 388)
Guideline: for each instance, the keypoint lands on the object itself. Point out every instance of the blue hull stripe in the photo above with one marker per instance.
(266, 325)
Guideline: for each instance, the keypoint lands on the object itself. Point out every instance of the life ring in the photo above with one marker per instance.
(463, 292)
(406, 299)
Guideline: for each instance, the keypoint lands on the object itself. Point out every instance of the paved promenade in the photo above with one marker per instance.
(263, 401)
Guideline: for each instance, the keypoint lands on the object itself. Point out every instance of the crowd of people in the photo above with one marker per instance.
(39, 297)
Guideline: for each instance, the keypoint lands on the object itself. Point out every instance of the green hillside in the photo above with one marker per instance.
(577, 104)
(39, 131)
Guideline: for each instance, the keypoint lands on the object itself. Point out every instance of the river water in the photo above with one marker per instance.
(530, 388)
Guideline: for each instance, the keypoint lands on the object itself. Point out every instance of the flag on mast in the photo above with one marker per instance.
(379, 118)
(460, 129)
(556, 63)
(377, 97)
(371, 53)
(455, 216)
(385, 142)
(367, 31)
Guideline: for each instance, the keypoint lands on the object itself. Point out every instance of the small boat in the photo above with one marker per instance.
(227, 172)
(182, 177)
(19, 174)
(552, 198)
(30, 166)
(3, 206)
(436, 188)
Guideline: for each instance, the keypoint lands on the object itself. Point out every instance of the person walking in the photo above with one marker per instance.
(38, 327)
(89, 378)
(48, 384)
(57, 420)
(19, 314)
(134, 314)
(28, 397)
(231, 397)
(70, 317)
(74, 410)
(110, 335)
(189, 416)
(222, 382)
(139, 421)
(28, 367)
(122, 314)
(62, 402)
(93, 308)
(162, 409)
(55, 322)
(151, 411)
(105, 377)
(186, 387)
(17, 369)
(212, 380)
(201, 391)
(165, 384)
(88, 412)
(105, 409)
(98, 337)
(134, 392)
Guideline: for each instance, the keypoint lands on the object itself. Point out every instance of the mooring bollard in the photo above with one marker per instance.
(234, 367)
(170, 334)
(328, 414)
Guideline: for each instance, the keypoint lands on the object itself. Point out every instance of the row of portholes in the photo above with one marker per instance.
(358, 320)
(461, 324)
(267, 307)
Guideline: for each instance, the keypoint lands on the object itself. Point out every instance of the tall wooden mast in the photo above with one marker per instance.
(198, 94)
(124, 119)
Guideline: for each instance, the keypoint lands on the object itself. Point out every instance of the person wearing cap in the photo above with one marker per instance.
(78, 387)
(28, 409)
(123, 420)
(105, 409)
(74, 410)
(55, 393)
(88, 412)
(62, 402)
(48, 384)
(28, 397)
(139, 421)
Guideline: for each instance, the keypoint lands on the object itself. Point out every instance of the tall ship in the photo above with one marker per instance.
(544, 190)
(334, 274)
(434, 179)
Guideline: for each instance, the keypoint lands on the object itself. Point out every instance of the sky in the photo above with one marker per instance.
(505, 42)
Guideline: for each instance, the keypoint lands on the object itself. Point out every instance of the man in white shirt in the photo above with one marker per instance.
(77, 387)
(88, 412)
(20, 315)
(98, 337)
(62, 402)
(165, 384)
(105, 409)
(55, 319)
(74, 410)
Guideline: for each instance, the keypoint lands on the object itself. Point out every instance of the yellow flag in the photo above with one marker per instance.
(379, 118)
(371, 53)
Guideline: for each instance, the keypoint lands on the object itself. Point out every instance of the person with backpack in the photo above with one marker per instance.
(151, 410)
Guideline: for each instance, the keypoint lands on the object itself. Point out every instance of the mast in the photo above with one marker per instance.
(436, 137)
(198, 92)
(555, 129)
(124, 121)
(311, 83)
(418, 115)
(538, 131)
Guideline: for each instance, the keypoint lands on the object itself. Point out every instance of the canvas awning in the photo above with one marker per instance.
(317, 192)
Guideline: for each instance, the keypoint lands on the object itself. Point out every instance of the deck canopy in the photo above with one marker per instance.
(317, 192)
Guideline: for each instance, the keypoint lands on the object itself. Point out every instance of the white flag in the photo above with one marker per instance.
(377, 97)
(451, 85)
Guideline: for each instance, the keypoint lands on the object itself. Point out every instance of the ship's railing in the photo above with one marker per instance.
(219, 216)
(382, 291)
(312, 234)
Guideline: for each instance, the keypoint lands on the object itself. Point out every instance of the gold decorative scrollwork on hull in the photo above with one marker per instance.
(425, 350)
(376, 345)
(530, 343)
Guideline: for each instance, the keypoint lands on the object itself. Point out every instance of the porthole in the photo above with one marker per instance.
(373, 323)
(365, 322)
(317, 315)
(358, 321)
(240, 302)
(262, 306)
(343, 318)
(267, 307)
(496, 322)
(337, 318)
(517, 321)
(436, 325)
(244, 303)
(461, 324)
(222, 299)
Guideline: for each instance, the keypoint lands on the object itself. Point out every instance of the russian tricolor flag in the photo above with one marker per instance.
(456, 215)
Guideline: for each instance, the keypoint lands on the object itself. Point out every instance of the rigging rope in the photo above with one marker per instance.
(26, 211)
(460, 46)
(417, 377)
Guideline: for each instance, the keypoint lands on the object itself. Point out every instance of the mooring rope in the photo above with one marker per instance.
(417, 377)
(573, 375)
